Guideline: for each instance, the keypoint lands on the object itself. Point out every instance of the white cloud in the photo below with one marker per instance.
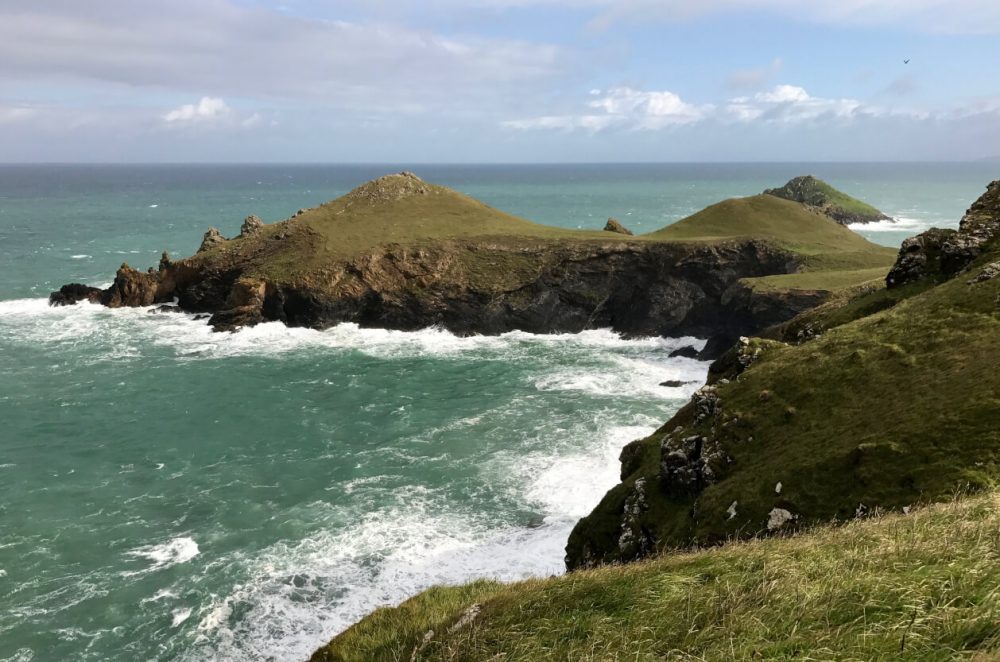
(11, 114)
(242, 50)
(623, 107)
(628, 108)
(933, 16)
(208, 109)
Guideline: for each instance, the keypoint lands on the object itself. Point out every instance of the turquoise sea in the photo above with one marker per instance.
(167, 493)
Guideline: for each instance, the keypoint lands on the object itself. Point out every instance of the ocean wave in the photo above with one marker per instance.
(299, 595)
(119, 333)
(164, 555)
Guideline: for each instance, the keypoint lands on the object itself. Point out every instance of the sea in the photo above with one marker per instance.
(169, 493)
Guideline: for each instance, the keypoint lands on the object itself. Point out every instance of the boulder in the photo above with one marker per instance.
(614, 226)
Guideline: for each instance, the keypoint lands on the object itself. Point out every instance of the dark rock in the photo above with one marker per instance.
(613, 225)
(165, 262)
(166, 308)
(674, 383)
(688, 352)
(68, 295)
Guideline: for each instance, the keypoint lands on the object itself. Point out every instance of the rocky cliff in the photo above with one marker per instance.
(875, 401)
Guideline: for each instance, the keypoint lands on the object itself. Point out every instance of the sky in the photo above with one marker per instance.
(480, 81)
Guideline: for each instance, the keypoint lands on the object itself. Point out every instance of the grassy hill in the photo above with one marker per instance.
(401, 209)
(916, 587)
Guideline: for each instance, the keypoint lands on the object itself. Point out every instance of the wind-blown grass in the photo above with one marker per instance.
(924, 586)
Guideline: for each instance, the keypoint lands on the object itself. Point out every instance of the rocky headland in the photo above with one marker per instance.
(400, 253)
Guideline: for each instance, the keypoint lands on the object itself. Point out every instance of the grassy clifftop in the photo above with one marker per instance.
(914, 587)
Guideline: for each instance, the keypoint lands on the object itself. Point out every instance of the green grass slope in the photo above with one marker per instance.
(916, 587)
(401, 209)
(834, 203)
(824, 246)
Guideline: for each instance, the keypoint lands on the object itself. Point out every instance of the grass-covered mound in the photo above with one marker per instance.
(891, 397)
(834, 203)
(404, 210)
(917, 587)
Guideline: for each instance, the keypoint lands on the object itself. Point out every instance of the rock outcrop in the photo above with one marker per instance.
(252, 225)
(212, 238)
(942, 254)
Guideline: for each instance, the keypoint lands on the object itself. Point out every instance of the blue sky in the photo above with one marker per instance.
(499, 80)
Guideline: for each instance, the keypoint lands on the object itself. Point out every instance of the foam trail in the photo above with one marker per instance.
(898, 224)
(164, 555)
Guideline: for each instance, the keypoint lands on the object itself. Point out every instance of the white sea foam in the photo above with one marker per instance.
(300, 595)
(180, 615)
(80, 257)
(119, 334)
(898, 224)
(164, 555)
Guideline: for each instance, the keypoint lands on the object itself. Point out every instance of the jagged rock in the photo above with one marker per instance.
(212, 238)
(133, 288)
(635, 541)
(943, 254)
(251, 225)
(613, 225)
(707, 403)
(244, 306)
(68, 295)
(690, 464)
(165, 262)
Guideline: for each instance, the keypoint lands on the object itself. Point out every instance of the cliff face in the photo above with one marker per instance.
(542, 287)
(877, 401)
(402, 254)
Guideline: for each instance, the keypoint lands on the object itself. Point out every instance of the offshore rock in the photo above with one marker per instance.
(69, 295)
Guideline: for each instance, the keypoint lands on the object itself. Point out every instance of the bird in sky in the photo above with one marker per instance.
(906, 61)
